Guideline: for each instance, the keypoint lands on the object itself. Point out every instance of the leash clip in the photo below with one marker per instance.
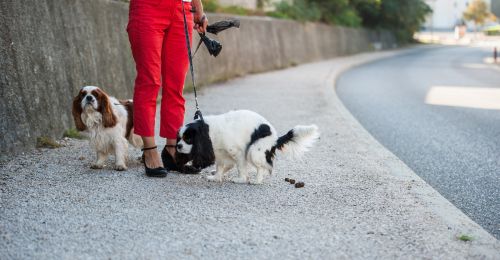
(198, 115)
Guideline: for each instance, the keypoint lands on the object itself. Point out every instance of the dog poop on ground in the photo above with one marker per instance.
(299, 184)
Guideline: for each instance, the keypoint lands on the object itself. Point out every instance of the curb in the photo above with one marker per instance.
(484, 244)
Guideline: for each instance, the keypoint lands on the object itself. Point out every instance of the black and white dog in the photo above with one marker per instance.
(243, 139)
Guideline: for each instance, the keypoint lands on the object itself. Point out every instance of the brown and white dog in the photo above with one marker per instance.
(109, 124)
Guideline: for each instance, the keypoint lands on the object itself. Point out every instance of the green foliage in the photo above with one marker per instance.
(213, 6)
(314, 10)
(47, 142)
(210, 5)
(492, 30)
(73, 133)
(347, 17)
(234, 10)
(403, 18)
(338, 12)
(465, 238)
(299, 10)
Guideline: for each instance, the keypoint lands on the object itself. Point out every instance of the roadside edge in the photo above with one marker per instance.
(484, 244)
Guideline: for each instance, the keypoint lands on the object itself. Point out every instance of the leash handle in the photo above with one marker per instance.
(191, 67)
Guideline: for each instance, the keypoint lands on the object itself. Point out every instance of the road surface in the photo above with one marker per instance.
(438, 110)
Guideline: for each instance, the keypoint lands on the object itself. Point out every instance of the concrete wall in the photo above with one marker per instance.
(49, 49)
(263, 44)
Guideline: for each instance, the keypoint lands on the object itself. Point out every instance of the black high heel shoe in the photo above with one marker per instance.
(156, 172)
(179, 163)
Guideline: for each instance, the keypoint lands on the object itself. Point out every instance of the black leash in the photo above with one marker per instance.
(197, 114)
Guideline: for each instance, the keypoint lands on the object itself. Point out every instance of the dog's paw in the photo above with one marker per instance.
(96, 166)
(214, 178)
(256, 182)
(120, 168)
(240, 180)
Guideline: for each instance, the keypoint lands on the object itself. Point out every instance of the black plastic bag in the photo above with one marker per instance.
(220, 26)
(214, 47)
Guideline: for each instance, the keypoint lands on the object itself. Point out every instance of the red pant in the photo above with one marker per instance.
(158, 42)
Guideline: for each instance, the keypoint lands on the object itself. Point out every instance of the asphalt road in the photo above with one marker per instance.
(437, 109)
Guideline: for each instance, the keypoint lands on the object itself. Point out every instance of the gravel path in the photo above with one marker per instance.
(359, 201)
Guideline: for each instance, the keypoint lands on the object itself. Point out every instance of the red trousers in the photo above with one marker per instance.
(158, 42)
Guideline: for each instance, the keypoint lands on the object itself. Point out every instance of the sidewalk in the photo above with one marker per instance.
(359, 201)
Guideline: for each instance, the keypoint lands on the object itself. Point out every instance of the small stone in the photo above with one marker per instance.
(81, 158)
(287, 179)
(292, 181)
(299, 184)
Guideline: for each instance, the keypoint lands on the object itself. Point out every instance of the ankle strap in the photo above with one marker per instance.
(171, 145)
(149, 148)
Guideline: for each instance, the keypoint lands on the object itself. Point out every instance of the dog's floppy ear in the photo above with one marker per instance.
(108, 118)
(77, 112)
(202, 151)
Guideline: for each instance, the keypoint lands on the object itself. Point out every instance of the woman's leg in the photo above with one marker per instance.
(174, 67)
(151, 157)
(146, 43)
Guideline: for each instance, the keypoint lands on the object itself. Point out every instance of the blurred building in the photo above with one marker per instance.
(495, 8)
(448, 13)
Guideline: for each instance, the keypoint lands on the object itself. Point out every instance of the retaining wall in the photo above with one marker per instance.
(49, 49)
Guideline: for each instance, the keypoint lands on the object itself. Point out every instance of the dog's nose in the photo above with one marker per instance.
(88, 98)
(179, 146)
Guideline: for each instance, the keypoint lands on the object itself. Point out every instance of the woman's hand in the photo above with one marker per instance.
(201, 22)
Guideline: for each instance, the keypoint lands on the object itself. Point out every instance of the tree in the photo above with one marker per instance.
(403, 18)
(337, 12)
(477, 12)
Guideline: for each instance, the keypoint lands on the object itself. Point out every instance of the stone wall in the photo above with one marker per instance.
(49, 49)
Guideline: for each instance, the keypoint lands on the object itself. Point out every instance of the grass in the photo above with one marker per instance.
(213, 6)
(73, 133)
(47, 142)
(465, 238)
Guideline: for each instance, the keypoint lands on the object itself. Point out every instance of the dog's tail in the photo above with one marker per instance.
(295, 142)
